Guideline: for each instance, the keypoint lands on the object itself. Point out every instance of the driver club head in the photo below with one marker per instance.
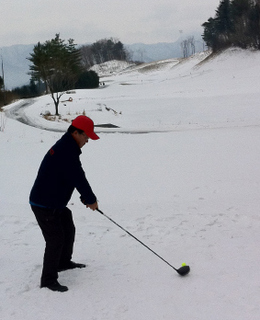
(183, 270)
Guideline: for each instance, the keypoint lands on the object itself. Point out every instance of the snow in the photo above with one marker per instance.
(181, 173)
(111, 67)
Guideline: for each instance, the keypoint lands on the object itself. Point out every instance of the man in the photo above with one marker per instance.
(59, 174)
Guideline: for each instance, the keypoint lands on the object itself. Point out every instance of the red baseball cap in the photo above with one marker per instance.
(87, 125)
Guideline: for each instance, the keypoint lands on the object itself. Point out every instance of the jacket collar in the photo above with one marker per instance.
(72, 143)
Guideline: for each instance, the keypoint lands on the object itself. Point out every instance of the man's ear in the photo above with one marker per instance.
(75, 133)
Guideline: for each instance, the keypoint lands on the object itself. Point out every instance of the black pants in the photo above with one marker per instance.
(59, 233)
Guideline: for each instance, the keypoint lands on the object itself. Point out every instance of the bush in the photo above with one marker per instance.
(87, 80)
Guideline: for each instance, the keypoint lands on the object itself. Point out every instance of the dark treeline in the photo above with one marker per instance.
(27, 91)
(102, 51)
(236, 23)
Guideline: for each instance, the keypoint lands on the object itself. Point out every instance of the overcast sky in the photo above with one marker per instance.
(86, 21)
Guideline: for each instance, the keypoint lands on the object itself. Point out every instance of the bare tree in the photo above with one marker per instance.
(87, 56)
(191, 41)
(184, 47)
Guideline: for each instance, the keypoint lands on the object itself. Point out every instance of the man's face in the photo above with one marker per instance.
(80, 138)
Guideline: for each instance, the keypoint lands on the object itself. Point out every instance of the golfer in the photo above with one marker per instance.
(59, 174)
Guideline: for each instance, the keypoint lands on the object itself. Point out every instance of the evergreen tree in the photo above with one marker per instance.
(223, 22)
(254, 25)
(240, 14)
(1, 82)
(119, 52)
(237, 23)
(56, 63)
(210, 34)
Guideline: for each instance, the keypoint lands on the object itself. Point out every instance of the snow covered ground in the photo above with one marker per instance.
(181, 172)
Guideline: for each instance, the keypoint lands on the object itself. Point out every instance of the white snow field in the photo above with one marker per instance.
(181, 172)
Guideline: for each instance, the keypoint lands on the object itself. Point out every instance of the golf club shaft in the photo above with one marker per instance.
(130, 234)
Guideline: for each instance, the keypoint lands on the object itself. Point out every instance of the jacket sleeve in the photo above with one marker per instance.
(80, 182)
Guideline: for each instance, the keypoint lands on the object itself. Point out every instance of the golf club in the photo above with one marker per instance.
(181, 271)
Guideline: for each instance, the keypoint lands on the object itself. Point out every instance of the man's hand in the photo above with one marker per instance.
(93, 206)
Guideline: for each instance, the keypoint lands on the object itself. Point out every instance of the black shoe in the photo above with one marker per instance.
(55, 286)
(71, 265)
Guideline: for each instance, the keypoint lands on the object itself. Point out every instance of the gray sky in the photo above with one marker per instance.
(86, 21)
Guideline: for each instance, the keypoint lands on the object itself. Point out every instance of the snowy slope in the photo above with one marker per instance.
(187, 187)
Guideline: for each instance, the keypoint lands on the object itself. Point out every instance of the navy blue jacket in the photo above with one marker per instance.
(59, 174)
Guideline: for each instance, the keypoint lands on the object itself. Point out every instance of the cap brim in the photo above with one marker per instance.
(93, 136)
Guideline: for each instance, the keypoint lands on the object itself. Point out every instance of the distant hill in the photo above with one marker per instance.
(16, 65)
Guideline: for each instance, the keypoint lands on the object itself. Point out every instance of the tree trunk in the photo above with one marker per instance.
(56, 107)
(56, 101)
